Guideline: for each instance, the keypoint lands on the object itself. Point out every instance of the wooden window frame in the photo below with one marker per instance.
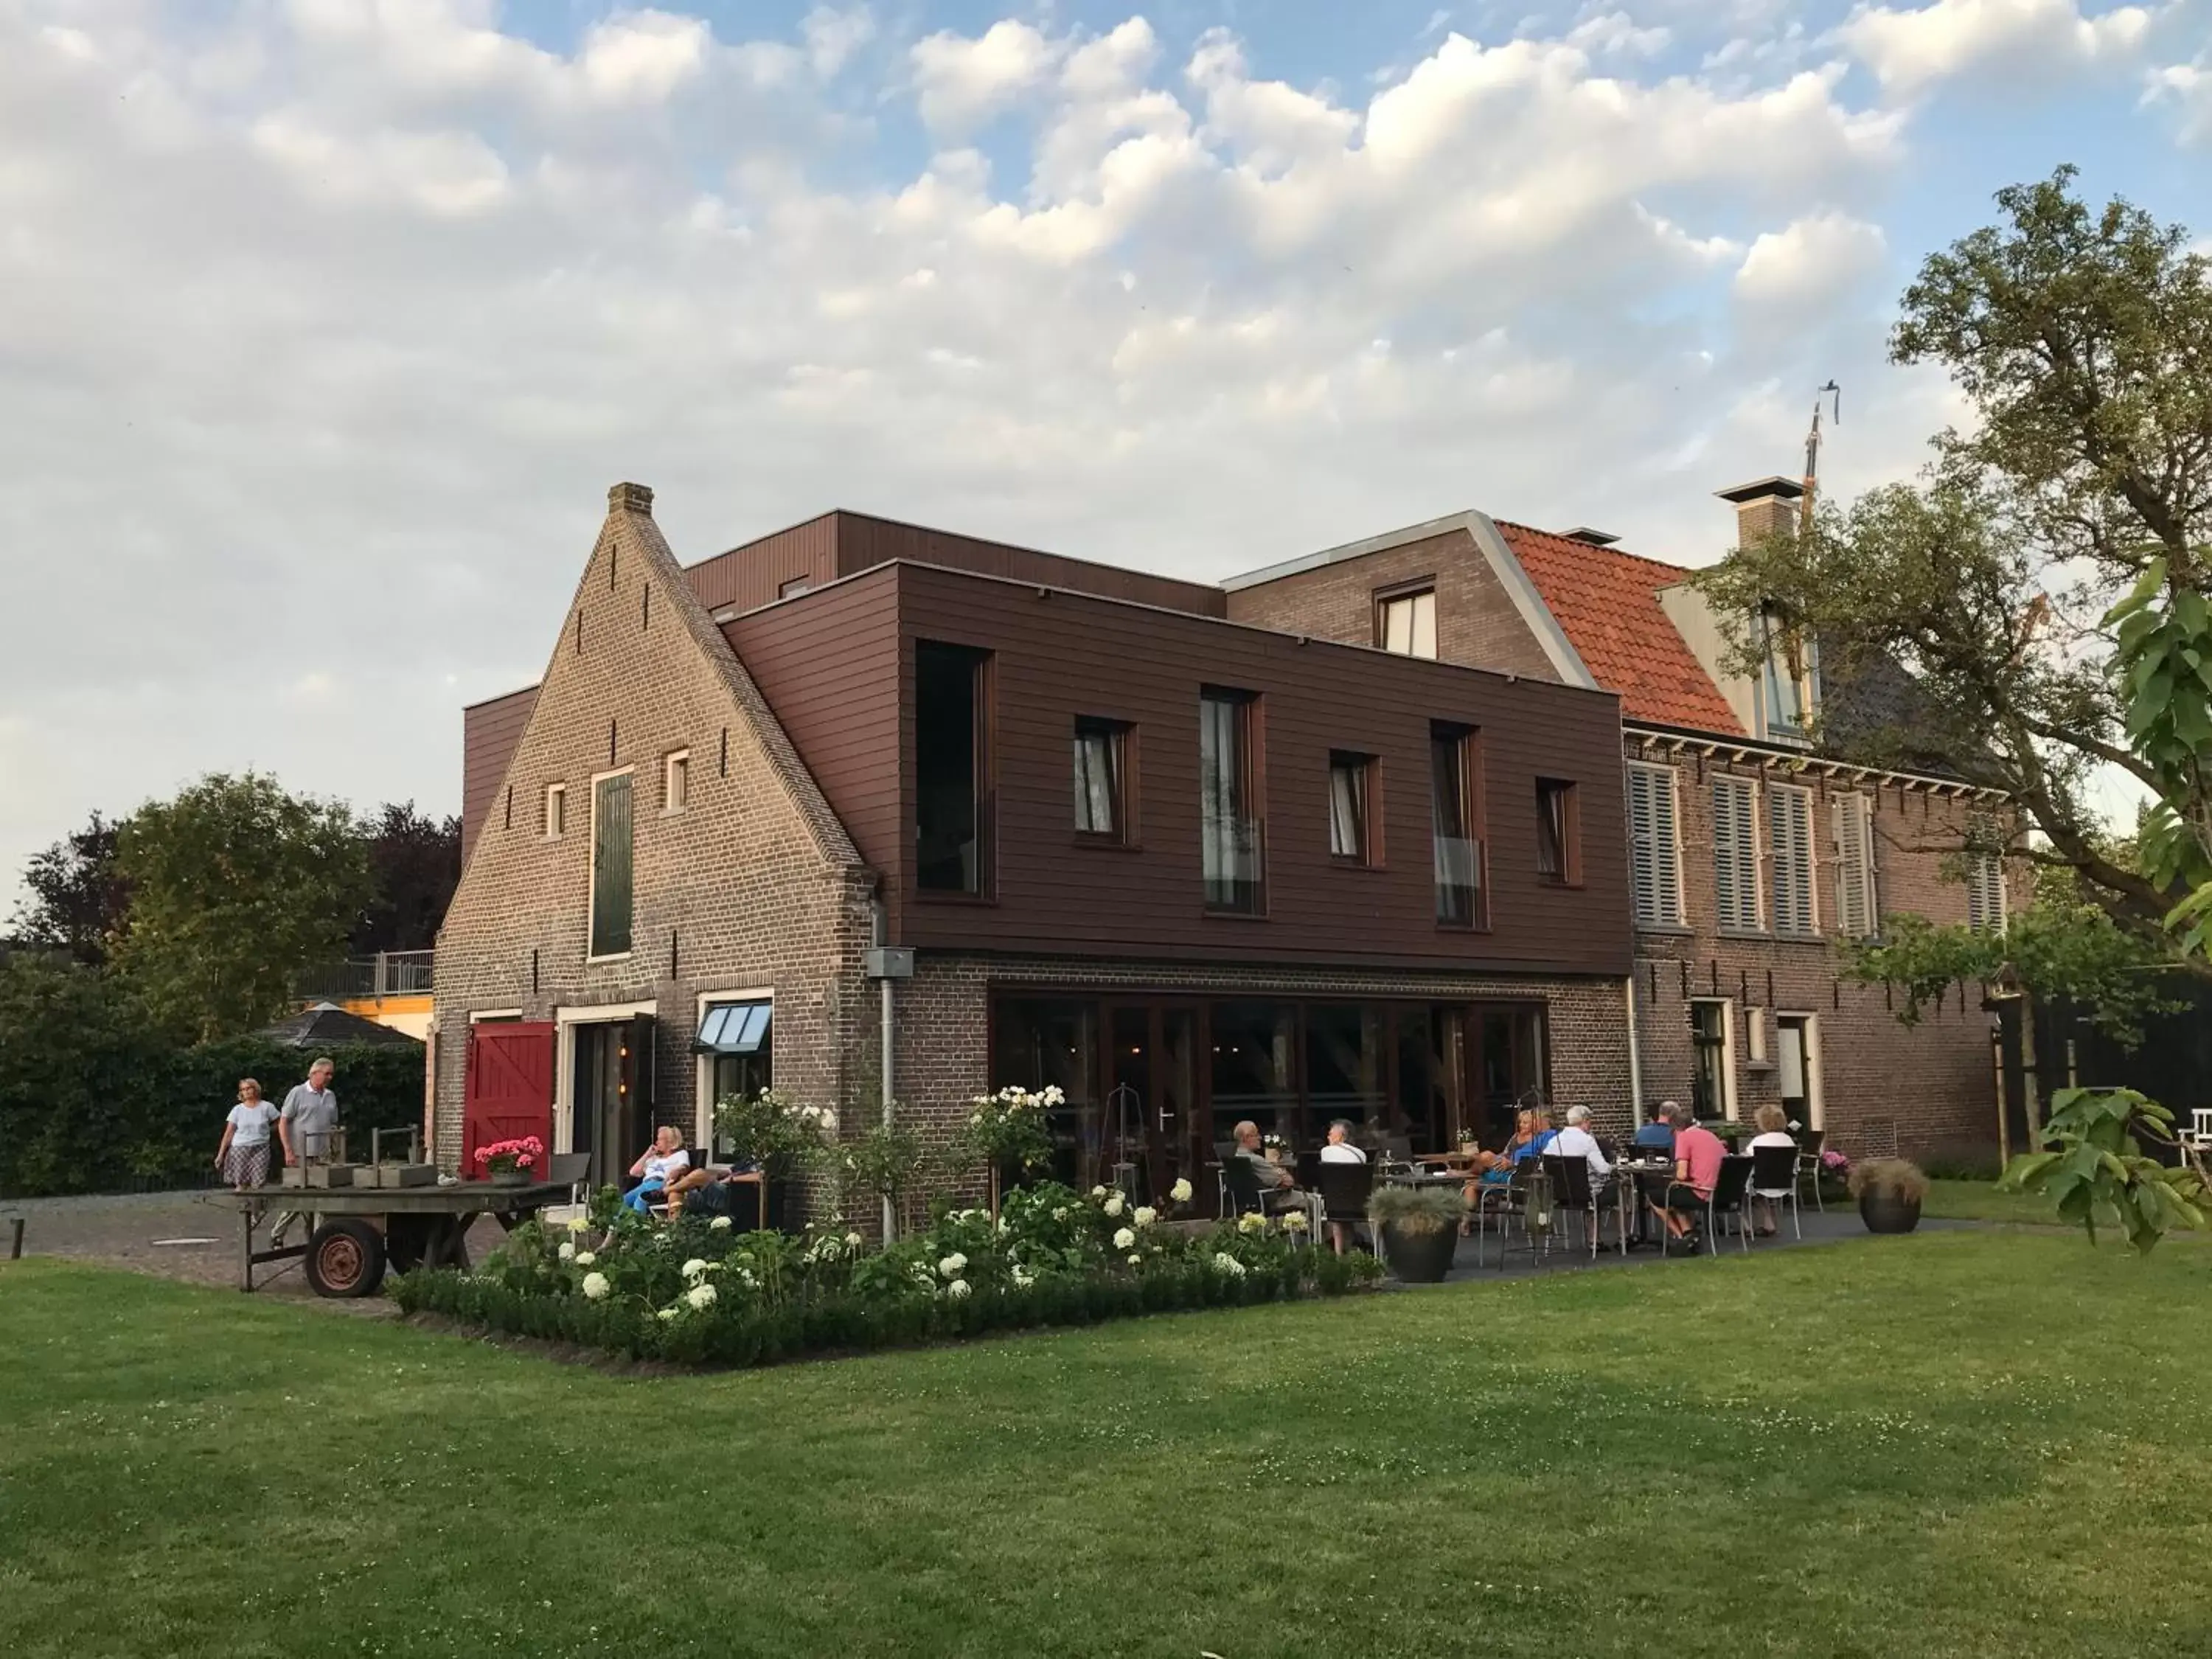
(1465, 742)
(1369, 768)
(591, 879)
(1121, 748)
(983, 662)
(674, 766)
(1251, 781)
(553, 812)
(1570, 872)
(1382, 599)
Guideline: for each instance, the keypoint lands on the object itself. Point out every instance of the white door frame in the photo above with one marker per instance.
(565, 1020)
(1816, 1113)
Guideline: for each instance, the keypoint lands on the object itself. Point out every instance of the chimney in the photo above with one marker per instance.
(630, 498)
(1764, 507)
(1589, 538)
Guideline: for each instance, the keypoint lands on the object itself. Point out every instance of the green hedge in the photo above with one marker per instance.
(92, 1099)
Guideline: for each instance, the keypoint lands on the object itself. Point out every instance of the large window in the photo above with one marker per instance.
(1559, 832)
(1232, 849)
(1101, 794)
(1788, 680)
(734, 1045)
(1455, 816)
(1790, 855)
(1041, 1043)
(1346, 1069)
(1735, 853)
(1406, 622)
(1655, 860)
(1857, 905)
(1255, 1071)
(1351, 828)
(610, 866)
(952, 799)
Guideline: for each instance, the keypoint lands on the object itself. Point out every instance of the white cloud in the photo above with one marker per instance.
(1909, 50)
(1617, 32)
(963, 82)
(1809, 263)
(2187, 88)
(644, 56)
(833, 37)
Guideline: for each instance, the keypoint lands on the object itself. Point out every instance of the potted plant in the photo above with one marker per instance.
(1417, 1227)
(1889, 1191)
(1274, 1146)
(512, 1163)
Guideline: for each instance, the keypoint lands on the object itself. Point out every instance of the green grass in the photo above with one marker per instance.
(1955, 1443)
(1980, 1200)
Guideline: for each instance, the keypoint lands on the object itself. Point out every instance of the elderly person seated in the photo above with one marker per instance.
(1657, 1135)
(1339, 1149)
(1533, 1135)
(659, 1164)
(1697, 1157)
(1576, 1140)
(716, 1190)
(1773, 1131)
(1276, 1181)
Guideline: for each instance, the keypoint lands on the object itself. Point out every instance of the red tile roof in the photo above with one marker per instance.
(1608, 602)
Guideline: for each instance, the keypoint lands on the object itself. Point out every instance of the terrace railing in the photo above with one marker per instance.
(386, 973)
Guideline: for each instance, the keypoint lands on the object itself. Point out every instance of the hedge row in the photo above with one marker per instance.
(738, 1334)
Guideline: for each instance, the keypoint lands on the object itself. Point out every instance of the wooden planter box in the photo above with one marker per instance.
(402, 1175)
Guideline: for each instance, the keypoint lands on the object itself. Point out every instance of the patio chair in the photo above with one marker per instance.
(1502, 1201)
(1344, 1188)
(1728, 1200)
(1573, 1193)
(1240, 1186)
(1774, 1179)
(1223, 1151)
(1809, 1145)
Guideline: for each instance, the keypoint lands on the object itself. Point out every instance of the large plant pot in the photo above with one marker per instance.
(1418, 1258)
(1884, 1213)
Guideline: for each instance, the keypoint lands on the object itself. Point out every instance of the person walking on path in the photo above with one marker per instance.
(243, 1157)
(309, 1119)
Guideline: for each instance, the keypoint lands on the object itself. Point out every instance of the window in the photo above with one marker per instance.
(1454, 812)
(1985, 892)
(555, 822)
(1789, 850)
(1351, 833)
(1655, 857)
(1559, 832)
(795, 587)
(734, 1047)
(1788, 680)
(950, 769)
(1101, 755)
(1406, 622)
(1735, 853)
(610, 866)
(1233, 851)
(1712, 1070)
(1858, 912)
(676, 781)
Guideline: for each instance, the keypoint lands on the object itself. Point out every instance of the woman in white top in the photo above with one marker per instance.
(243, 1157)
(662, 1161)
(1339, 1149)
(1773, 1131)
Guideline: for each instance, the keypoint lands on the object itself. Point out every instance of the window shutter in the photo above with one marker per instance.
(1789, 837)
(1735, 853)
(1854, 841)
(1651, 847)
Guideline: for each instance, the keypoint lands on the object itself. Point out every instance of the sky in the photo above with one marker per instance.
(325, 324)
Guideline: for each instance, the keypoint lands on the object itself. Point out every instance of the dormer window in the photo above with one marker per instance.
(1790, 677)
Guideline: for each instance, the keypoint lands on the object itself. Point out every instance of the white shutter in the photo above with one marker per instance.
(1855, 911)
(1666, 848)
(1985, 893)
(1653, 874)
(1789, 847)
(1735, 853)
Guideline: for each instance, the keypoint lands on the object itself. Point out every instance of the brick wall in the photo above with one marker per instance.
(1476, 621)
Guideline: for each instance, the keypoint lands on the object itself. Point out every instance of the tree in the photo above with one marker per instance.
(235, 887)
(79, 902)
(415, 865)
(1966, 622)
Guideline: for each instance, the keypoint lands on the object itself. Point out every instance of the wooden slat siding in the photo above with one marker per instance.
(824, 662)
(748, 577)
(864, 542)
(829, 664)
(489, 732)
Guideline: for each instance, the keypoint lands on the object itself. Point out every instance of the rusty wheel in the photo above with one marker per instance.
(345, 1258)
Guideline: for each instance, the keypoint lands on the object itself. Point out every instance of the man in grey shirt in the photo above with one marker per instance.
(310, 1114)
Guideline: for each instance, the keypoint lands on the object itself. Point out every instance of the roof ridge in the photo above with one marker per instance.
(1614, 552)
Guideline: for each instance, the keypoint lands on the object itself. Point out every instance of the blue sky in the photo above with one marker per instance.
(329, 320)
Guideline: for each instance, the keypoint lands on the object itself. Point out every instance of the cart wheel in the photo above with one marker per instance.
(345, 1258)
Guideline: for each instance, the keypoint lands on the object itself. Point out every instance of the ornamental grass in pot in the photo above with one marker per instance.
(1889, 1191)
(1418, 1228)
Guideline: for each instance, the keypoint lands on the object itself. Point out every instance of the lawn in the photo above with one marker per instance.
(1956, 1443)
(1980, 1200)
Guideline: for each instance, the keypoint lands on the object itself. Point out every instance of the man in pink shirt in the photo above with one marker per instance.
(1698, 1154)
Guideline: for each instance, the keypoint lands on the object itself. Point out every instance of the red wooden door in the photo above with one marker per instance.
(509, 1092)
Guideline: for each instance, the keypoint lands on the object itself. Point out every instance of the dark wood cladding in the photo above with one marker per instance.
(843, 544)
(751, 576)
(489, 732)
(825, 660)
(829, 665)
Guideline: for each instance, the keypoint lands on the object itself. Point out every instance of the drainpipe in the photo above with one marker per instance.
(1635, 1059)
(883, 990)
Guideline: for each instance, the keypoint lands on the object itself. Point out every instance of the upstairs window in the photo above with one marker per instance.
(1857, 910)
(676, 781)
(1406, 622)
(1654, 850)
(1351, 838)
(952, 767)
(1231, 848)
(1456, 809)
(1790, 855)
(1559, 832)
(1735, 854)
(555, 823)
(1788, 680)
(1101, 754)
(610, 866)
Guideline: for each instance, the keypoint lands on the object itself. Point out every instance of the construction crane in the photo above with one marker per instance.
(1835, 395)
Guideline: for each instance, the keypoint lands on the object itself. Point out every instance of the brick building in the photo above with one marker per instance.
(1188, 866)
(1751, 852)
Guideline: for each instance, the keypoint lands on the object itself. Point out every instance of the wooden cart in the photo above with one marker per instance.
(361, 1230)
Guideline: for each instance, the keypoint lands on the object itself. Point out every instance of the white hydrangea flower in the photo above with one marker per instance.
(953, 1266)
(1059, 1212)
(1024, 1279)
(578, 1224)
(670, 1313)
(746, 1278)
(1123, 1239)
(1295, 1222)
(851, 1240)
(956, 1289)
(1225, 1262)
(1136, 1261)
(700, 1296)
(1116, 1204)
(1181, 1191)
(1251, 1222)
(721, 1223)
(568, 1249)
(695, 1267)
(1145, 1215)
(585, 1258)
(828, 1121)
(1098, 1192)
(596, 1287)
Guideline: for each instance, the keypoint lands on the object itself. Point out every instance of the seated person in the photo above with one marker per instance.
(1773, 1131)
(1275, 1179)
(1658, 1134)
(660, 1164)
(717, 1190)
(1532, 1137)
(1698, 1154)
(1339, 1149)
(1576, 1140)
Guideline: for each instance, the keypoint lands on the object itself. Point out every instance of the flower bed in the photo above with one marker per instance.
(692, 1292)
